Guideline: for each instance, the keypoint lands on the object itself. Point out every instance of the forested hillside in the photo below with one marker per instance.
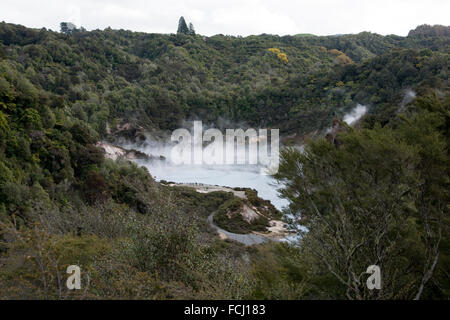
(61, 200)
(157, 80)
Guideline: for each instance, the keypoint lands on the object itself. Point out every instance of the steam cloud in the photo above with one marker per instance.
(409, 96)
(356, 114)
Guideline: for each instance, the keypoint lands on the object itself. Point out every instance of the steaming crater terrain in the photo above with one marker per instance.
(245, 176)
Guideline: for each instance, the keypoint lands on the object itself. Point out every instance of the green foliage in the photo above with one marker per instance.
(202, 204)
(182, 26)
(191, 29)
(4, 126)
(122, 254)
(286, 272)
(156, 81)
(370, 198)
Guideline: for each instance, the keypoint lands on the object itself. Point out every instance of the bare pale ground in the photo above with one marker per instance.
(111, 151)
(249, 214)
(114, 152)
(276, 231)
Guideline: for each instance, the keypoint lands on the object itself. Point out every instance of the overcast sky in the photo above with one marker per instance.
(232, 17)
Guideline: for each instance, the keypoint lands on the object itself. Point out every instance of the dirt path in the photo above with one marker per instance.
(277, 231)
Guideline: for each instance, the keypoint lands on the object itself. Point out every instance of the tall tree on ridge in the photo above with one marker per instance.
(182, 26)
(191, 29)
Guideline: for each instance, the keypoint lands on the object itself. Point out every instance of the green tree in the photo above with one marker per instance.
(64, 28)
(182, 26)
(191, 29)
(375, 197)
(351, 200)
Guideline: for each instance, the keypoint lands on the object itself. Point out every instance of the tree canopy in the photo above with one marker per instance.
(182, 26)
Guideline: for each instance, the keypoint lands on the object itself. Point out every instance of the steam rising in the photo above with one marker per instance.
(409, 96)
(352, 117)
(356, 114)
(243, 175)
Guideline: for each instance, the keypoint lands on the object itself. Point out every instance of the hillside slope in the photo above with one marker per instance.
(157, 81)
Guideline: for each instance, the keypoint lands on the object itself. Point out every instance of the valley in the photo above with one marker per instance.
(86, 177)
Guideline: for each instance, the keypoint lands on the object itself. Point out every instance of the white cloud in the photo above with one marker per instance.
(236, 17)
(253, 17)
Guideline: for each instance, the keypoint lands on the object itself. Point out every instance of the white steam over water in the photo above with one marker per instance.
(248, 176)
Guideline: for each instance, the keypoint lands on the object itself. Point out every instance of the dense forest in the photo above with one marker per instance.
(377, 193)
